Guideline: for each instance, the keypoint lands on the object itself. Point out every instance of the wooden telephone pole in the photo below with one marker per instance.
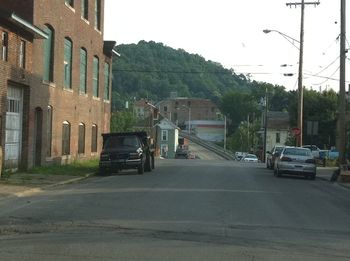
(300, 74)
(342, 100)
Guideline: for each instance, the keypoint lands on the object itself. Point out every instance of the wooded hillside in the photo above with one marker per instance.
(152, 70)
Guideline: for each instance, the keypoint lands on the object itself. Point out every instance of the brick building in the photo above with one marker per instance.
(179, 110)
(57, 87)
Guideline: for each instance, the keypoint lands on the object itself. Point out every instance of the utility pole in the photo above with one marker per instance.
(342, 105)
(300, 73)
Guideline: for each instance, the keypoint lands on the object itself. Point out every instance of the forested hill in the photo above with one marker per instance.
(152, 70)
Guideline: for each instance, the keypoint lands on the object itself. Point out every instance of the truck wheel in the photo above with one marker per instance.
(152, 161)
(102, 171)
(148, 164)
(141, 168)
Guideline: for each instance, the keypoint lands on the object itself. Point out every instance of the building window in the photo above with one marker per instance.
(94, 138)
(68, 47)
(106, 82)
(278, 137)
(65, 138)
(85, 9)
(49, 54)
(83, 70)
(81, 139)
(22, 54)
(70, 2)
(165, 108)
(4, 46)
(189, 103)
(49, 131)
(164, 135)
(95, 77)
(98, 14)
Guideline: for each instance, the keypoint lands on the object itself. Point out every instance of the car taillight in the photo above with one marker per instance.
(312, 161)
(284, 158)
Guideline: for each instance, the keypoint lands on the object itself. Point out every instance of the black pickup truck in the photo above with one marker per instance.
(126, 150)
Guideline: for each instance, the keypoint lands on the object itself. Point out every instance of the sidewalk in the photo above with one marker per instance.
(22, 184)
(326, 173)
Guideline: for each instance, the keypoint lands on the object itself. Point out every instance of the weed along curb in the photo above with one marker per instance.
(32, 191)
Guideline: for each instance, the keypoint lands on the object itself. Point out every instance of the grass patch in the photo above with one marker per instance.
(76, 168)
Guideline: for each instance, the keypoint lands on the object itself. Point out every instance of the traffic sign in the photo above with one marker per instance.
(296, 131)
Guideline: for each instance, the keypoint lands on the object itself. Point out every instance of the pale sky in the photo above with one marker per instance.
(230, 32)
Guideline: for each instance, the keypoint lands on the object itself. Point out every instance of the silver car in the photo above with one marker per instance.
(295, 161)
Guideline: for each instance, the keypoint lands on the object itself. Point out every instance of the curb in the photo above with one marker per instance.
(40, 189)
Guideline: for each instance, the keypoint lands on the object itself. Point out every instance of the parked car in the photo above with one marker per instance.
(126, 150)
(239, 155)
(271, 156)
(181, 154)
(295, 161)
(314, 150)
(250, 158)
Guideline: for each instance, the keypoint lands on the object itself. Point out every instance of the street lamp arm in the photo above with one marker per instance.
(287, 37)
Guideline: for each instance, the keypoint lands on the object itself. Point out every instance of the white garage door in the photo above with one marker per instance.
(13, 127)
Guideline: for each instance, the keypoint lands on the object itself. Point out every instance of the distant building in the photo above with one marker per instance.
(141, 109)
(278, 128)
(179, 110)
(208, 130)
(55, 82)
(167, 138)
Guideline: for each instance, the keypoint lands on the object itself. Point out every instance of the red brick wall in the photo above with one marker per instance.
(68, 105)
(11, 74)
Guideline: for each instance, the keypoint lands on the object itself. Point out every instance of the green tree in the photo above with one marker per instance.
(320, 107)
(237, 105)
(122, 121)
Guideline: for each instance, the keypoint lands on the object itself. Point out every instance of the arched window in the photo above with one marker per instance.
(94, 138)
(95, 77)
(81, 138)
(83, 70)
(49, 50)
(65, 138)
(68, 48)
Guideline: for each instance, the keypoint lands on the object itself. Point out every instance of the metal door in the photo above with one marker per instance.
(13, 129)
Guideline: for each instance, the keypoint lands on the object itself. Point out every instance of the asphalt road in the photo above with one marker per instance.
(183, 210)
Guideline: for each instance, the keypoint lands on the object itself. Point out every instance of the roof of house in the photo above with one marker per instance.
(166, 124)
(277, 120)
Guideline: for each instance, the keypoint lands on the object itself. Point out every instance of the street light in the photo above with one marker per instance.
(287, 37)
(300, 75)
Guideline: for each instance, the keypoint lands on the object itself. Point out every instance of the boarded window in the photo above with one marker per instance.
(98, 14)
(83, 70)
(4, 46)
(48, 55)
(81, 141)
(68, 63)
(94, 138)
(95, 77)
(22, 54)
(85, 9)
(106, 82)
(49, 131)
(65, 138)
